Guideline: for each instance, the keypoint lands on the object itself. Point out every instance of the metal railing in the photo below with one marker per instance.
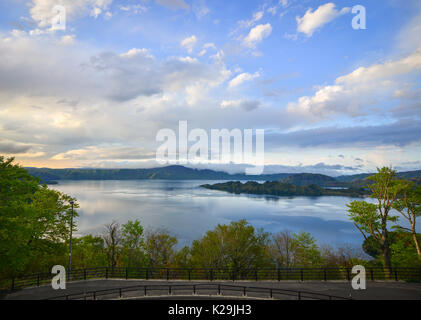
(190, 274)
(208, 289)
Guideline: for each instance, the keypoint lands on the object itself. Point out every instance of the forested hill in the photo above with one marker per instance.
(277, 188)
(183, 173)
(163, 173)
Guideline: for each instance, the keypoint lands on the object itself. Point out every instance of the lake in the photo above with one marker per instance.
(188, 211)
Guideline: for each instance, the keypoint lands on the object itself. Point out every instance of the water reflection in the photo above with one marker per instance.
(188, 211)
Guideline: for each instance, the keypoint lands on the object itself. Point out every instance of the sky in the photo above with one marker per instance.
(332, 99)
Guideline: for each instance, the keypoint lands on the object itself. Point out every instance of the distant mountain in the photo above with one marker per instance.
(177, 172)
(306, 179)
(360, 179)
(163, 173)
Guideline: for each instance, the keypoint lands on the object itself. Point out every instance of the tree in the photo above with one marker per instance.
(112, 238)
(160, 248)
(133, 244)
(409, 206)
(307, 252)
(236, 246)
(88, 252)
(34, 220)
(283, 248)
(370, 218)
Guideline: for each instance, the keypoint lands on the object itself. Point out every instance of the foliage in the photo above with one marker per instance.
(34, 220)
(237, 246)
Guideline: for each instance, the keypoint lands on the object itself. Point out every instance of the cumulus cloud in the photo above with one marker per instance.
(238, 80)
(360, 88)
(189, 43)
(257, 34)
(313, 20)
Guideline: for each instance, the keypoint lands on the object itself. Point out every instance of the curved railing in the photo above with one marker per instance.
(281, 274)
(207, 289)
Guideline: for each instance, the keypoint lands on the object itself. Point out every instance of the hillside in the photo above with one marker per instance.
(277, 188)
(162, 173)
(177, 172)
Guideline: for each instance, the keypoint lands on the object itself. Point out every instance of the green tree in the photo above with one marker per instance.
(307, 253)
(88, 252)
(371, 219)
(237, 246)
(34, 220)
(133, 243)
(409, 206)
(160, 248)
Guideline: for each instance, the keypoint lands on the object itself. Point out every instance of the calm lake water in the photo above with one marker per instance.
(188, 211)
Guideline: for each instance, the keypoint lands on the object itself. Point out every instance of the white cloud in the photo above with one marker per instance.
(257, 34)
(189, 43)
(313, 20)
(205, 47)
(363, 87)
(42, 10)
(68, 39)
(242, 78)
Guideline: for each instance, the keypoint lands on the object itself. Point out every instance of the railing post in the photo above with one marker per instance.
(302, 275)
(271, 293)
(84, 274)
(147, 273)
(189, 275)
(396, 274)
(146, 293)
(219, 289)
(372, 274)
(299, 295)
(244, 291)
(106, 273)
(169, 289)
(279, 274)
(38, 280)
(127, 273)
(256, 274)
(194, 289)
(211, 274)
(119, 291)
(13, 283)
(348, 276)
(325, 276)
(168, 274)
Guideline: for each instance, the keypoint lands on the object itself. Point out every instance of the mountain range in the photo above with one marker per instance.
(177, 172)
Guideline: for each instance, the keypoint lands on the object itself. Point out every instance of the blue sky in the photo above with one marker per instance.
(332, 99)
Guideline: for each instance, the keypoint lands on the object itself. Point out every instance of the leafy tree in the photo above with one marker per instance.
(371, 219)
(133, 244)
(307, 253)
(88, 252)
(409, 206)
(160, 248)
(237, 246)
(34, 220)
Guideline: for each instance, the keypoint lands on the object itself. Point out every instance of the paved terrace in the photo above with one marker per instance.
(376, 290)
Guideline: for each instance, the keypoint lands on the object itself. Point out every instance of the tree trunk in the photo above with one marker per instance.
(417, 245)
(387, 259)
